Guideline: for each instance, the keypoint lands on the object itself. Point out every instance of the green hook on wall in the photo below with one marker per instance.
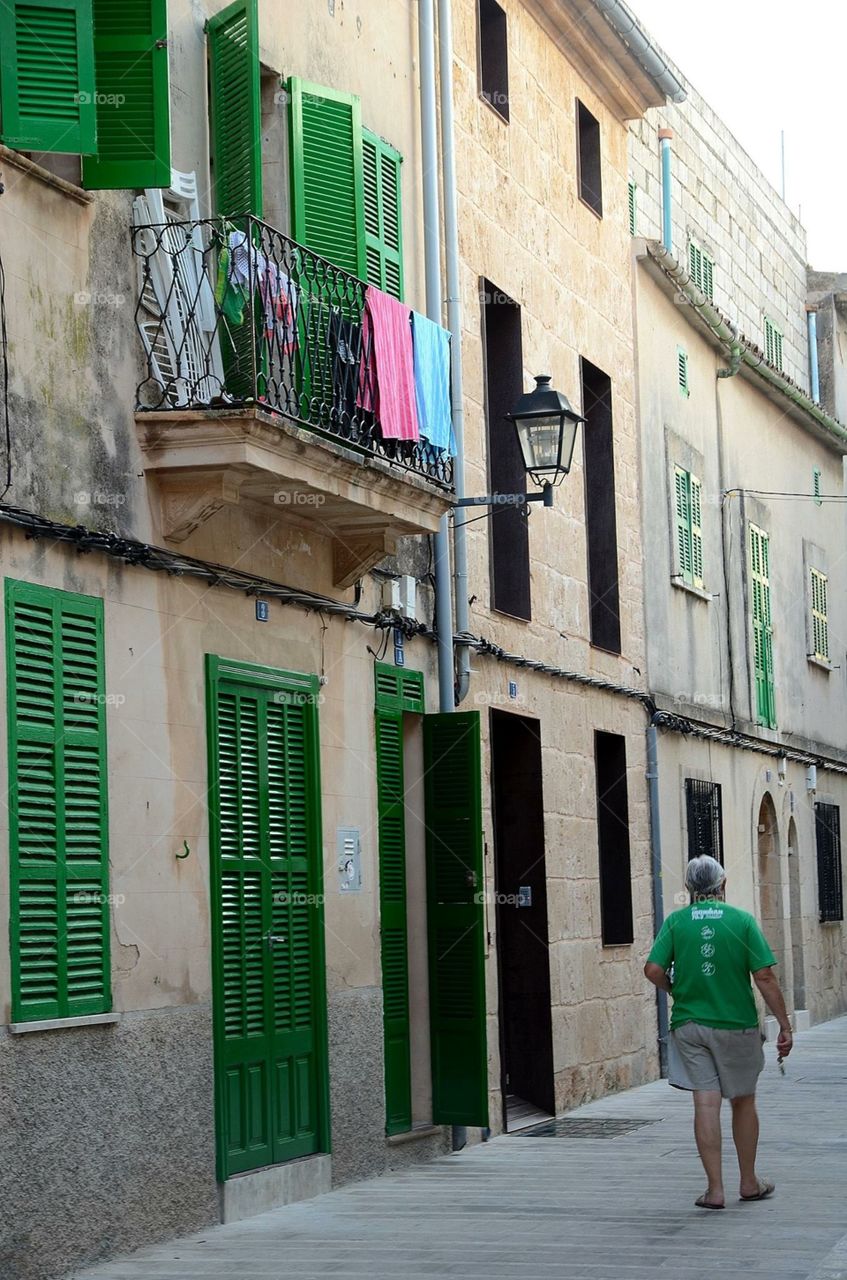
(186, 848)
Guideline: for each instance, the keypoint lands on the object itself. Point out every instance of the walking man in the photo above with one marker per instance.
(711, 949)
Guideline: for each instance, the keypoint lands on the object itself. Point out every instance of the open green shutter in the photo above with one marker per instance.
(236, 140)
(682, 520)
(47, 76)
(695, 509)
(58, 828)
(132, 101)
(383, 215)
(455, 918)
(762, 627)
(393, 928)
(326, 174)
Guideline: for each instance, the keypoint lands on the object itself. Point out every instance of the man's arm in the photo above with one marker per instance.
(656, 974)
(765, 980)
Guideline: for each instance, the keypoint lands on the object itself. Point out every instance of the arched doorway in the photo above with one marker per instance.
(771, 911)
(795, 912)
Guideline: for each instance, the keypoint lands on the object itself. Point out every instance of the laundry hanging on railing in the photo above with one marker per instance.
(388, 382)
(242, 266)
(432, 383)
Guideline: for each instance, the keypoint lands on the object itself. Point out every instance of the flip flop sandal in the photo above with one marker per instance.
(702, 1203)
(765, 1189)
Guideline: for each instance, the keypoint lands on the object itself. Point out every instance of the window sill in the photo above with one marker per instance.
(676, 581)
(59, 1024)
(414, 1135)
(598, 213)
(16, 161)
(821, 663)
(502, 116)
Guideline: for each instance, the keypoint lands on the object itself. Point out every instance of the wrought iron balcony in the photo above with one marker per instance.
(234, 314)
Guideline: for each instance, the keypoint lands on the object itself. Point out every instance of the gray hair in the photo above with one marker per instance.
(704, 876)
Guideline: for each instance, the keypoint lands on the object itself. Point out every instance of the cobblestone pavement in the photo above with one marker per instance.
(570, 1208)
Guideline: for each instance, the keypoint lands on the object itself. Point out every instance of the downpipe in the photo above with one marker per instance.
(656, 868)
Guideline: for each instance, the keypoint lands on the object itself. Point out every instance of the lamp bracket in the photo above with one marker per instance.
(508, 499)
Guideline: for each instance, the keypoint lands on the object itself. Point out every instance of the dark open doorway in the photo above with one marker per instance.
(526, 1030)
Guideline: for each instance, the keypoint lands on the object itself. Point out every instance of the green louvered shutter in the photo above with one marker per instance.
(47, 76)
(393, 929)
(383, 214)
(762, 628)
(236, 139)
(455, 918)
(682, 524)
(58, 823)
(326, 174)
(695, 509)
(133, 107)
(266, 868)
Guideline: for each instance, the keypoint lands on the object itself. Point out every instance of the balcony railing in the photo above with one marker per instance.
(232, 313)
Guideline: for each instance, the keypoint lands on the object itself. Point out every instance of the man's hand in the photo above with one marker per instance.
(784, 1042)
(656, 974)
(766, 981)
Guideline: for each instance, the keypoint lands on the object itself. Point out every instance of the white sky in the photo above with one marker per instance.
(768, 66)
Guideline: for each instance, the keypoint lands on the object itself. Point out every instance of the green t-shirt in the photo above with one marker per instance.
(713, 948)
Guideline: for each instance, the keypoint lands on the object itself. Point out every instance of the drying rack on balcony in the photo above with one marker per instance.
(234, 314)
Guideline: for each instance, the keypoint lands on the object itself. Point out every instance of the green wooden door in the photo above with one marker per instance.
(269, 986)
(455, 918)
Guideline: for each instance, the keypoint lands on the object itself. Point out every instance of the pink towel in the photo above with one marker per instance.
(390, 389)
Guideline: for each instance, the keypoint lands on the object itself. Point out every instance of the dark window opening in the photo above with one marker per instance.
(705, 820)
(828, 842)
(601, 532)
(613, 839)
(588, 155)
(494, 57)
(509, 529)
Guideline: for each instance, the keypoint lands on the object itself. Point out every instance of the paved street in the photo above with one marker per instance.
(570, 1208)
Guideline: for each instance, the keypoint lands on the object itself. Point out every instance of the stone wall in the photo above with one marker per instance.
(725, 203)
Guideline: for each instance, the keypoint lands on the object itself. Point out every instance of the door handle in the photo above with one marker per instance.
(273, 938)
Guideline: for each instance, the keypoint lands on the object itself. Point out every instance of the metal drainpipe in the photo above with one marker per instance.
(432, 269)
(658, 896)
(814, 368)
(454, 324)
(665, 136)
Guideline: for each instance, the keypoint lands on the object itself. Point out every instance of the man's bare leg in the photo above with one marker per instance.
(745, 1135)
(707, 1133)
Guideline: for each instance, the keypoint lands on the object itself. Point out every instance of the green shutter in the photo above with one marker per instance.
(326, 174)
(762, 628)
(383, 214)
(236, 138)
(773, 344)
(817, 491)
(392, 912)
(682, 515)
(682, 371)
(820, 619)
(269, 981)
(58, 824)
(133, 108)
(633, 207)
(47, 76)
(455, 918)
(397, 691)
(695, 512)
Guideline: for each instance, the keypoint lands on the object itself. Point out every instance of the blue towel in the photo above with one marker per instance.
(432, 382)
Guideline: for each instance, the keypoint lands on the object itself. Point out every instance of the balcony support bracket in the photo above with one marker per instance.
(354, 555)
(186, 504)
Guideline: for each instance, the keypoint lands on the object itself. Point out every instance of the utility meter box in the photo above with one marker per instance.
(349, 860)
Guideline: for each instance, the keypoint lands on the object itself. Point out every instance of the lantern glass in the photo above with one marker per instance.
(539, 441)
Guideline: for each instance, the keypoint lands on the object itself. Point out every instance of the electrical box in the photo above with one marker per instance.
(409, 597)
(349, 860)
(391, 594)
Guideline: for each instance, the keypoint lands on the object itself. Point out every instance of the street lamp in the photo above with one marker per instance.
(546, 427)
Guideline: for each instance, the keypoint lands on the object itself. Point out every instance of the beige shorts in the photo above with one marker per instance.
(709, 1058)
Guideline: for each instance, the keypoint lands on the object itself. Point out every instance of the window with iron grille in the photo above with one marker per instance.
(701, 268)
(773, 344)
(828, 842)
(705, 822)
